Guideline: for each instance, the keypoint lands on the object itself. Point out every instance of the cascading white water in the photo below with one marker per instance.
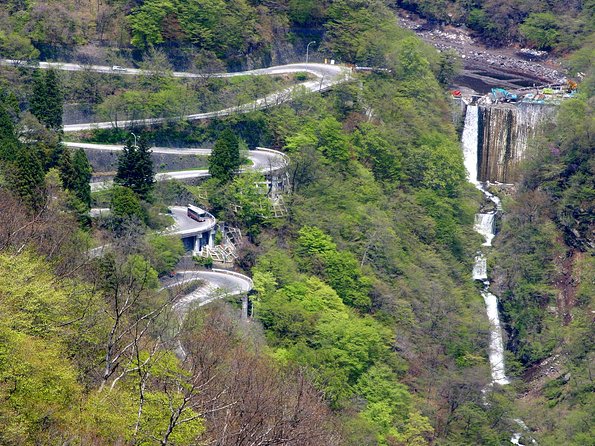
(484, 224)
(480, 267)
(496, 353)
(516, 438)
(470, 142)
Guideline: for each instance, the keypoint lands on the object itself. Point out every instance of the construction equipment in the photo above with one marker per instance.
(502, 95)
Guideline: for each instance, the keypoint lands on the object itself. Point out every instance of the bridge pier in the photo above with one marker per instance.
(244, 307)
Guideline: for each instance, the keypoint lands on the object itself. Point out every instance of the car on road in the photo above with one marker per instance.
(118, 68)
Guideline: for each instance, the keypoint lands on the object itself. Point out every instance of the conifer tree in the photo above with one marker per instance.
(8, 140)
(144, 168)
(126, 164)
(83, 171)
(75, 173)
(225, 160)
(46, 102)
(54, 101)
(37, 99)
(67, 172)
(26, 178)
(10, 103)
(135, 169)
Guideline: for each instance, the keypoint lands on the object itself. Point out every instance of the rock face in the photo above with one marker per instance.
(503, 133)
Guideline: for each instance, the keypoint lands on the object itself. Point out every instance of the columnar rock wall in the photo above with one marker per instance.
(503, 134)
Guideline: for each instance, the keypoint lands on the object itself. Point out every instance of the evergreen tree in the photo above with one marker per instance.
(75, 173)
(54, 101)
(135, 169)
(144, 169)
(26, 178)
(8, 140)
(126, 164)
(37, 99)
(225, 160)
(83, 171)
(46, 102)
(67, 172)
(10, 103)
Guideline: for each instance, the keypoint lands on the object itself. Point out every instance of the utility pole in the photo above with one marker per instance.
(134, 139)
(308, 49)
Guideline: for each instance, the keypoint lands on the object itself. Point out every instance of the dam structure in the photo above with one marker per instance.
(504, 132)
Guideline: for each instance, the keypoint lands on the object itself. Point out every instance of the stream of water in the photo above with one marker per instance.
(484, 225)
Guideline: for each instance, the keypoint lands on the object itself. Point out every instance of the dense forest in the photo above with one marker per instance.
(548, 25)
(366, 327)
(240, 32)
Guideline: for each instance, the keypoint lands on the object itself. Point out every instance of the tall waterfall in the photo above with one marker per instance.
(475, 151)
(484, 224)
(471, 142)
(496, 353)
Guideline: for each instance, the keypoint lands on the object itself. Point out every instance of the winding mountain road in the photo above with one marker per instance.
(263, 160)
(317, 69)
(217, 283)
(326, 76)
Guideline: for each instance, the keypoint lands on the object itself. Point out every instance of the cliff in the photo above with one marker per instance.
(503, 133)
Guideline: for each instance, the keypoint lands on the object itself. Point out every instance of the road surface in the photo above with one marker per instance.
(263, 160)
(326, 76)
(315, 69)
(217, 284)
(185, 225)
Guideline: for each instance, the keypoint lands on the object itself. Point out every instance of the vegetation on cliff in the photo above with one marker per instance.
(544, 274)
(367, 327)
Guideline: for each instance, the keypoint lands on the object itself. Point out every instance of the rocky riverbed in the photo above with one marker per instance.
(485, 67)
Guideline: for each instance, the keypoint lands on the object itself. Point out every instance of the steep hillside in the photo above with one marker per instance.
(544, 273)
(366, 327)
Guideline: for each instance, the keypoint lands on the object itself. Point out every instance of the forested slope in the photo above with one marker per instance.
(554, 25)
(544, 273)
(367, 328)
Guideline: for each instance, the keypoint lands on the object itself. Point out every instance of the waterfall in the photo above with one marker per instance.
(480, 268)
(484, 224)
(471, 142)
(496, 352)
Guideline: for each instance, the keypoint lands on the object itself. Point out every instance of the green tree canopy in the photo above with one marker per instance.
(47, 99)
(82, 178)
(26, 178)
(541, 30)
(135, 169)
(8, 140)
(225, 160)
(125, 203)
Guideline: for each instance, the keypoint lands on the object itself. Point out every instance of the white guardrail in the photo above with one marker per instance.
(233, 273)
